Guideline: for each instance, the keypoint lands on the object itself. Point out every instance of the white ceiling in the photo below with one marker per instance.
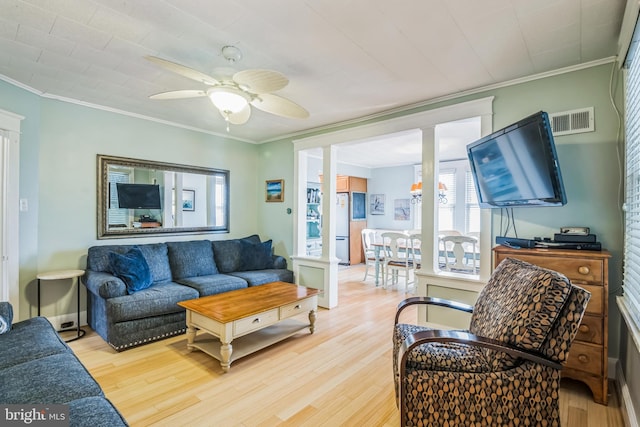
(345, 59)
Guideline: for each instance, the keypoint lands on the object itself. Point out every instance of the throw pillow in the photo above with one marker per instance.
(132, 268)
(4, 326)
(256, 256)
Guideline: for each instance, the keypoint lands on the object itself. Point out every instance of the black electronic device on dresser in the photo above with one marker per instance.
(577, 238)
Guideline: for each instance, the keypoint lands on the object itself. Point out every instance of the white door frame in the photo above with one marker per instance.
(9, 209)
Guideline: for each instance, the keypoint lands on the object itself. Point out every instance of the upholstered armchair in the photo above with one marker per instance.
(504, 370)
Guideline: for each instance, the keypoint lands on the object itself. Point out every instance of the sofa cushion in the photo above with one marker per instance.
(519, 304)
(191, 259)
(132, 268)
(260, 277)
(55, 379)
(255, 256)
(228, 253)
(154, 253)
(95, 411)
(29, 339)
(214, 284)
(158, 299)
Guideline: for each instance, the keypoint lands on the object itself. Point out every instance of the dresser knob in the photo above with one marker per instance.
(584, 270)
(583, 328)
(583, 358)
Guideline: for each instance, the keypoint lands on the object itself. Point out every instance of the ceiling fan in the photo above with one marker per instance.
(234, 96)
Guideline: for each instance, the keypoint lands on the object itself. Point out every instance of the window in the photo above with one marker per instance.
(631, 298)
(117, 216)
(471, 205)
(447, 199)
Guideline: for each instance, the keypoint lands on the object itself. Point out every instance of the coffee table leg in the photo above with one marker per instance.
(191, 336)
(225, 354)
(312, 321)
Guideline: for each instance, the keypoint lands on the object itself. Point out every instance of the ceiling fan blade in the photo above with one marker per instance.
(280, 106)
(238, 118)
(183, 71)
(179, 94)
(261, 81)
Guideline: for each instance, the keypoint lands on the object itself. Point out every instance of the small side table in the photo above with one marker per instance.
(60, 275)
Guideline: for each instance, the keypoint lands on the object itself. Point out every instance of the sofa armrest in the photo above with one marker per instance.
(104, 284)
(6, 312)
(279, 262)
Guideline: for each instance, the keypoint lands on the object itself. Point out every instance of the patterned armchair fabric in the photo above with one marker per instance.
(505, 370)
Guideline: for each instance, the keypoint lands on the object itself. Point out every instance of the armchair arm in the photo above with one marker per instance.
(467, 338)
(431, 301)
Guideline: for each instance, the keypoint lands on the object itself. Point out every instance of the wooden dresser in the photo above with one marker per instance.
(588, 356)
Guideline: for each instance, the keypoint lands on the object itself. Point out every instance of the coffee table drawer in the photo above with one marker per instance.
(297, 307)
(255, 322)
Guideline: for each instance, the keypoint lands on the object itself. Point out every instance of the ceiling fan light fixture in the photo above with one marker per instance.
(228, 100)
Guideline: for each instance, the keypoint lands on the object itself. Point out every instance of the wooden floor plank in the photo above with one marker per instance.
(340, 375)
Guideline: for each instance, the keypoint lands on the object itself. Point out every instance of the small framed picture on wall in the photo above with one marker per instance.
(274, 190)
(376, 204)
(188, 200)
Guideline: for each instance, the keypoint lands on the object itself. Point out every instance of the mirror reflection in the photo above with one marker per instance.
(140, 197)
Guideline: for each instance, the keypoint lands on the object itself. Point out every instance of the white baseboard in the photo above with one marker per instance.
(628, 412)
(57, 321)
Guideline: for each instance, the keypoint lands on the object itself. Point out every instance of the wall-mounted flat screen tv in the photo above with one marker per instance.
(518, 166)
(138, 196)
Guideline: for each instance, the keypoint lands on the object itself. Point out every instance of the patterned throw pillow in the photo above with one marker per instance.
(132, 268)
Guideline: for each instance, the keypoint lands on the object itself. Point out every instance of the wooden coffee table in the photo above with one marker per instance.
(253, 318)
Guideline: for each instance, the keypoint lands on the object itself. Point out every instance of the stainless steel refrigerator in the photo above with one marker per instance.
(342, 227)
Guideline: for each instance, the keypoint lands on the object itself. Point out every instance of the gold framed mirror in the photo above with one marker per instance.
(138, 198)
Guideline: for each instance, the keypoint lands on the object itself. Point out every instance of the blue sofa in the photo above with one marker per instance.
(37, 367)
(126, 317)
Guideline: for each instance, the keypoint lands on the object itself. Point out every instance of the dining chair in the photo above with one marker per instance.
(460, 249)
(445, 250)
(415, 240)
(370, 259)
(397, 258)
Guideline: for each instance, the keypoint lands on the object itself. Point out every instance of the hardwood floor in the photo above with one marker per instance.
(340, 375)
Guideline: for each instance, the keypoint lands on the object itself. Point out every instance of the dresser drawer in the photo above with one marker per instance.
(252, 323)
(596, 303)
(298, 307)
(578, 270)
(585, 357)
(590, 329)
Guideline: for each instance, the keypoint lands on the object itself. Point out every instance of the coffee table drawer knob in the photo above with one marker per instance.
(254, 322)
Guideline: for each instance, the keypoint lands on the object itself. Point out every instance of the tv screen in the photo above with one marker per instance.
(138, 196)
(518, 166)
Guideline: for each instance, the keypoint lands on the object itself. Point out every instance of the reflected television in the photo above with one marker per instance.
(138, 196)
(518, 166)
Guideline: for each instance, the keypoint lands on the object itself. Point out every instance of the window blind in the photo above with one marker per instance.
(116, 216)
(447, 204)
(631, 272)
(471, 200)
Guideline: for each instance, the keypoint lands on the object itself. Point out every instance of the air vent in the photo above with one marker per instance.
(574, 121)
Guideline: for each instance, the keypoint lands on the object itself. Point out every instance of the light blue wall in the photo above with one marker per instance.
(394, 183)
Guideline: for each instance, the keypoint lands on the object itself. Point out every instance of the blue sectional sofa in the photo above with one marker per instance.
(37, 367)
(125, 316)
